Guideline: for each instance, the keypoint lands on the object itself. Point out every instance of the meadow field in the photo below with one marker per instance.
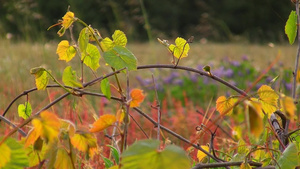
(17, 58)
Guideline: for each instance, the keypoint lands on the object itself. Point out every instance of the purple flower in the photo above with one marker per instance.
(235, 63)
(170, 78)
(228, 73)
(245, 58)
(288, 86)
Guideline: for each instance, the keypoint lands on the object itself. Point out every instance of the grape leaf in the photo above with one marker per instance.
(288, 106)
(137, 97)
(224, 104)
(4, 155)
(91, 57)
(103, 122)
(200, 154)
(18, 157)
(291, 27)
(24, 110)
(268, 98)
(47, 127)
(290, 157)
(65, 51)
(256, 122)
(119, 39)
(180, 49)
(105, 88)
(41, 77)
(115, 153)
(67, 21)
(120, 57)
(70, 79)
(83, 39)
(63, 160)
(144, 155)
(84, 142)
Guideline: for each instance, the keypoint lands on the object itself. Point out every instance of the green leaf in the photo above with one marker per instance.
(115, 153)
(41, 77)
(83, 39)
(70, 79)
(145, 155)
(290, 158)
(107, 162)
(105, 88)
(91, 57)
(18, 157)
(291, 27)
(24, 110)
(120, 57)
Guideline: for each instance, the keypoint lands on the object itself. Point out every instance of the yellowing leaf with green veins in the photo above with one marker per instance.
(91, 57)
(225, 104)
(137, 97)
(68, 19)
(24, 110)
(288, 106)
(69, 78)
(18, 158)
(65, 51)
(269, 98)
(180, 49)
(83, 39)
(47, 127)
(85, 142)
(103, 122)
(119, 39)
(200, 154)
(63, 160)
(41, 77)
(4, 155)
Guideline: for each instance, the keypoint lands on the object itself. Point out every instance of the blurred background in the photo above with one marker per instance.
(143, 20)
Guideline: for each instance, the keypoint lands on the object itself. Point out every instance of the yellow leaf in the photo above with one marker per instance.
(41, 80)
(269, 98)
(120, 115)
(180, 49)
(137, 97)
(200, 154)
(245, 166)
(68, 19)
(4, 155)
(119, 38)
(224, 104)
(114, 167)
(47, 127)
(65, 51)
(63, 160)
(288, 106)
(103, 122)
(68, 126)
(256, 122)
(84, 142)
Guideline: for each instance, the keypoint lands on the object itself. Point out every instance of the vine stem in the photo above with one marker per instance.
(298, 53)
(157, 107)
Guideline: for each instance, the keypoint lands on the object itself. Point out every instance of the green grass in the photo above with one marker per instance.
(18, 58)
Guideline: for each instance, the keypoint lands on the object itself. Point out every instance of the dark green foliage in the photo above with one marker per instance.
(217, 20)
